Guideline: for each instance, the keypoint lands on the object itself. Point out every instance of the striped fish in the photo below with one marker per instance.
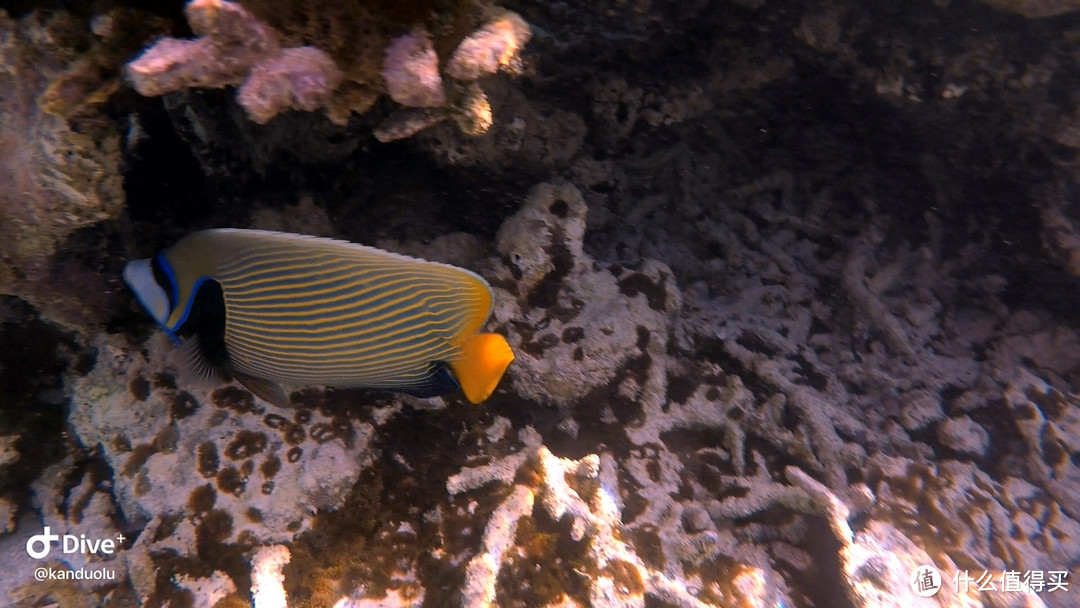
(268, 308)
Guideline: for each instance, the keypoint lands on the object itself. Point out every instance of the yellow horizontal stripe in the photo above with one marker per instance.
(385, 331)
(254, 318)
(351, 288)
(300, 300)
(350, 366)
(313, 323)
(244, 284)
(278, 371)
(255, 255)
(305, 258)
(354, 350)
(346, 302)
(280, 263)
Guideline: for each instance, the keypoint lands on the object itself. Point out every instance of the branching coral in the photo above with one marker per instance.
(267, 589)
(570, 489)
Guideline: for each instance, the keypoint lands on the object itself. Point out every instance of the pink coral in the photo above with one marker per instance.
(232, 42)
(260, 54)
(491, 48)
(411, 71)
(235, 48)
(301, 78)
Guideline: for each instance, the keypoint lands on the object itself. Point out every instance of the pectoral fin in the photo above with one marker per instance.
(267, 390)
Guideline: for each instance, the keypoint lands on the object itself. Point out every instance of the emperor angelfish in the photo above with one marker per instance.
(267, 308)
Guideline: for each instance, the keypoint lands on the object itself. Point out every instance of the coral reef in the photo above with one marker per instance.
(492, 48)
(564, 488)
(212, 452)
(411, 71)
(791, 290)
(209, 468)
(577, 325)
(235, 46)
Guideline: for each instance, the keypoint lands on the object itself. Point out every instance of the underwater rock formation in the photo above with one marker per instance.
(60, 152)
(576, 325)
(208, 467)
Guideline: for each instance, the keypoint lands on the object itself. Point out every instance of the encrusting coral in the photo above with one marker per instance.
(411, 71)
(492, 48)
(235, 47)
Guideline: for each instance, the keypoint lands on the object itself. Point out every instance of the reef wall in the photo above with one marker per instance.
(791, 286)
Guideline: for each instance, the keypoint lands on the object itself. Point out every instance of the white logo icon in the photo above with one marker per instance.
(925, 581)
(44, 540)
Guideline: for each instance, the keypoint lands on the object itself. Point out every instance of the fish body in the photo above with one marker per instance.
(269, 308)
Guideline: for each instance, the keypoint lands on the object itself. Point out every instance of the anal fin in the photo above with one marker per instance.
(267, 390)
(438, 382)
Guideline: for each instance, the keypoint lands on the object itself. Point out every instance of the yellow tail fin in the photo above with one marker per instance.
(483, 360)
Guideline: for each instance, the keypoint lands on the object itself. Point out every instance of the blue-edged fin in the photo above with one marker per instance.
(438, 382)
(267, 390)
